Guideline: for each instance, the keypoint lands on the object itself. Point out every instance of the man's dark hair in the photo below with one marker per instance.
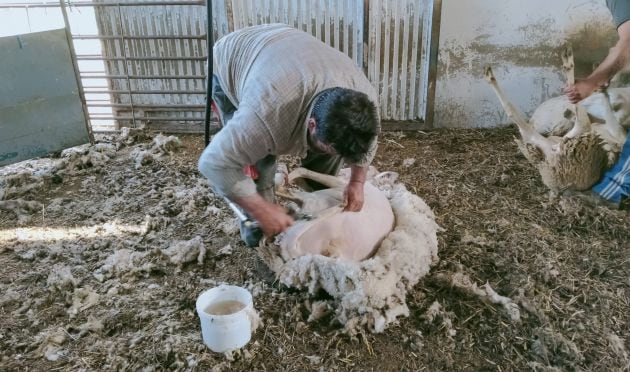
(347, 121)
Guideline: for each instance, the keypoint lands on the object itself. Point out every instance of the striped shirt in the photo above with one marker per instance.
(272, 73)
(615, 184)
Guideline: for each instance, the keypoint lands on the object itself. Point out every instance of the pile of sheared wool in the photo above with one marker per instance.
(370, 293)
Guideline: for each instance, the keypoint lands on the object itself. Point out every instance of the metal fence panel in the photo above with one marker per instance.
(40, 106)
(161, 67)
(396, 58)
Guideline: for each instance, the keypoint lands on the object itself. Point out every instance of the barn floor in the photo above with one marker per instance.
(67, 304)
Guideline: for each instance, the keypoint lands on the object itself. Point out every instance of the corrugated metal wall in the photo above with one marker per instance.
(398, 56)
(338, 23)
(156, 21)
(396, 59)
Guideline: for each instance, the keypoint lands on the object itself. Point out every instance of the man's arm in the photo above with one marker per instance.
(353, 194)
(273, 218)
(617, 59)
(354, 190)
(242, 142)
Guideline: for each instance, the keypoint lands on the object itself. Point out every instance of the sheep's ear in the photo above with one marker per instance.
(386, 177)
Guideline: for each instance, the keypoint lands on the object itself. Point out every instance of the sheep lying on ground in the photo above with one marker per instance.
(577, 160)
(369, 293)
(331, 232)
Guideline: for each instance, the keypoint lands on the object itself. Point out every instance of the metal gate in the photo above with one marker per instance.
(154, 52)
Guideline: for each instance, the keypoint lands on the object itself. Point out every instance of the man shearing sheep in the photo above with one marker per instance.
(282, 91)
(614, 187)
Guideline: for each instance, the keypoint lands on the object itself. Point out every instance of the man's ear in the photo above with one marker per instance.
(312, 125)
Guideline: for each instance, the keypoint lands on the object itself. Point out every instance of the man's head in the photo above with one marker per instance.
(345, 122)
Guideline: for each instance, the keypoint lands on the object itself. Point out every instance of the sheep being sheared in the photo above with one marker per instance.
(557, 115)
(368, 260)
(332, 232)
(577, 160)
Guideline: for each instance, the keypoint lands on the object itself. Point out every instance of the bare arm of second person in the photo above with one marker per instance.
(617, 59)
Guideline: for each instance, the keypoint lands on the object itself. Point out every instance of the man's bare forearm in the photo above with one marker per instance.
(273, 218)
(252, 204)
(358, 173)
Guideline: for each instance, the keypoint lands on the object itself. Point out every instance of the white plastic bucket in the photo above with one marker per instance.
(227, 317)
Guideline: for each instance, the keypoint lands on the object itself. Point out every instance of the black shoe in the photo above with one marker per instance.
(251, 235)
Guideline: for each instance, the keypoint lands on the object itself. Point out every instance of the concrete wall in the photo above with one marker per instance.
(521, 40)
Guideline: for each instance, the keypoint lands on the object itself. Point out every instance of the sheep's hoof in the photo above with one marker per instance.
(489, 74)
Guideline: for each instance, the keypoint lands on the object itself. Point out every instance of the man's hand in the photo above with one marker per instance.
(273, 218)
(353, 196)
(580, 90)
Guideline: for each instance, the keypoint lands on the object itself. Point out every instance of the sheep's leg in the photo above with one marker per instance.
(288, 195)
(612, 125)
(568, 64)
(325, 179)
(527, 131)
(582, 122)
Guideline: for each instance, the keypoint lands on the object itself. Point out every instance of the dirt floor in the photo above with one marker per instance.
(67, 302)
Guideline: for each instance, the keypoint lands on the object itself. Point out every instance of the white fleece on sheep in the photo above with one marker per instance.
(370, 293)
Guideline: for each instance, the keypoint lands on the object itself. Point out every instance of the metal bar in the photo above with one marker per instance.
(77, 74)
(210, 64)
(337, 34)
(417, 29)
(139, 37)
(347, 22)
(107, 76)
(358, 35)
(229, 15)
(386, 53)
(326, 22)
(395, 61)
(436, 19)
(92, 57)
(180, 110)
(146, 106)
(366, 35)
(91, 4)
(406, 15)
(147, 91)
(145, 118)
(124, 50)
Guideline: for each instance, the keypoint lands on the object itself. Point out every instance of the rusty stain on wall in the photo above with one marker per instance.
(590, 41)
(523, 44)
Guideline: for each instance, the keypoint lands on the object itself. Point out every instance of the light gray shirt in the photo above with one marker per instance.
(272, 73)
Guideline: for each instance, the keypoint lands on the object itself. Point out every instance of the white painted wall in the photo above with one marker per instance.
(521, 41)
